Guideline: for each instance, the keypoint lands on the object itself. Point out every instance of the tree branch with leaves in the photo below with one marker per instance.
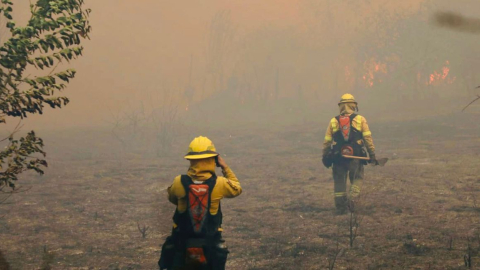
(52, 36)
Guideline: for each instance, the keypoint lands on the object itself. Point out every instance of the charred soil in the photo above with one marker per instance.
(420, 211)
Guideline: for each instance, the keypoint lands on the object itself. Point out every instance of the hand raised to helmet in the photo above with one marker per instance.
(221, 162)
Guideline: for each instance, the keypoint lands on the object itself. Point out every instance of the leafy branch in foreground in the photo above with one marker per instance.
(18, 159)
(52, 35)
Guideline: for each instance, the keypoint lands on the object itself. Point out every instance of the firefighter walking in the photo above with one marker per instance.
(196, 241)
(347, 134)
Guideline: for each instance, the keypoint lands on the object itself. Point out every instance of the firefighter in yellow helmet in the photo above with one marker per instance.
(347, 133)
(196, 241)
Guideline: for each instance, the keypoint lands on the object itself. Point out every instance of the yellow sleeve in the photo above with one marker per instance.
(367, 137)
(332, 128)
(229, 184)
(176, 191)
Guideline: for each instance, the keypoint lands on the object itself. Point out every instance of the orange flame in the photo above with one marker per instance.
(372, 69)
(438, 77)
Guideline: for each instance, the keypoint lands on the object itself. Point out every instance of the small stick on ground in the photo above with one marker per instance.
(336, 253)
(47, 259)
(450, 243)
(333, 259)
(467, 258)
(354, 221)
(143, 230)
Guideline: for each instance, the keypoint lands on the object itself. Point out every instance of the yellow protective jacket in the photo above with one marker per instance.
(359, 122)
(201, 170)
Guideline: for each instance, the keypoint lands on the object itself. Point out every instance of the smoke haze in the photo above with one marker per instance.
(261, 79)
(161, 52)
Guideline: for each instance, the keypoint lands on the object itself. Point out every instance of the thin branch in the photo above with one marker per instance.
(6, 198)
(338, 250)
(54, 68)
(143, 230)
(10, 193)
(478, 97)
(15, 130)
(17, 190)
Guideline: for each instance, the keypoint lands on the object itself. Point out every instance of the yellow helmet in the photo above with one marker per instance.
(347, 98)
(201, 147)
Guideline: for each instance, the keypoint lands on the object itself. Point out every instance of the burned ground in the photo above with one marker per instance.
(420, 211)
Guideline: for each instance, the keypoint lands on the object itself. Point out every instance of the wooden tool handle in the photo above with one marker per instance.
(355, 157)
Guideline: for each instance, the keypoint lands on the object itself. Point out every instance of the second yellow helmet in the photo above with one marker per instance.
(347, 98)
(201, 147)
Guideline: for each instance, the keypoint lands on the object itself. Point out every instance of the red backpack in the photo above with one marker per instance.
(347, 137)
(198, 205)
(344, 122)
(197, 225)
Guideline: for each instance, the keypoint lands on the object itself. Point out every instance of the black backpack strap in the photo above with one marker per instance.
(215, 221)
(179, 218)
(186, 182)
(211, 184)
(352, 116)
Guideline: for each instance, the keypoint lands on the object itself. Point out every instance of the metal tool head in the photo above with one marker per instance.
(382, 161)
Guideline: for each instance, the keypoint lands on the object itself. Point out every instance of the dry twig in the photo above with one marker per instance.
(15, 130)
(333, 259)
(354, 222)
(143, 230)
(9, 194)
(467, 258)
(478, 97)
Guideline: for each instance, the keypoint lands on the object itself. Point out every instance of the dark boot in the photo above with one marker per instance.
(341, 205)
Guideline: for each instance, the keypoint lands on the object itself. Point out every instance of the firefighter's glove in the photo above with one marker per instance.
(373, 160)
(327, 161)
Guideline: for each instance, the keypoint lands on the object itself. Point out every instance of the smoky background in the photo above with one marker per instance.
(240, 62)
(159, 69)
(157, 73)
(262, 80)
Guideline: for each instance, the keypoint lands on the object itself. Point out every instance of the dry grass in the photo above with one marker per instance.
(417, 212)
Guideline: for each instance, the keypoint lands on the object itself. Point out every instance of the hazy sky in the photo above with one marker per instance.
(138, 48)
